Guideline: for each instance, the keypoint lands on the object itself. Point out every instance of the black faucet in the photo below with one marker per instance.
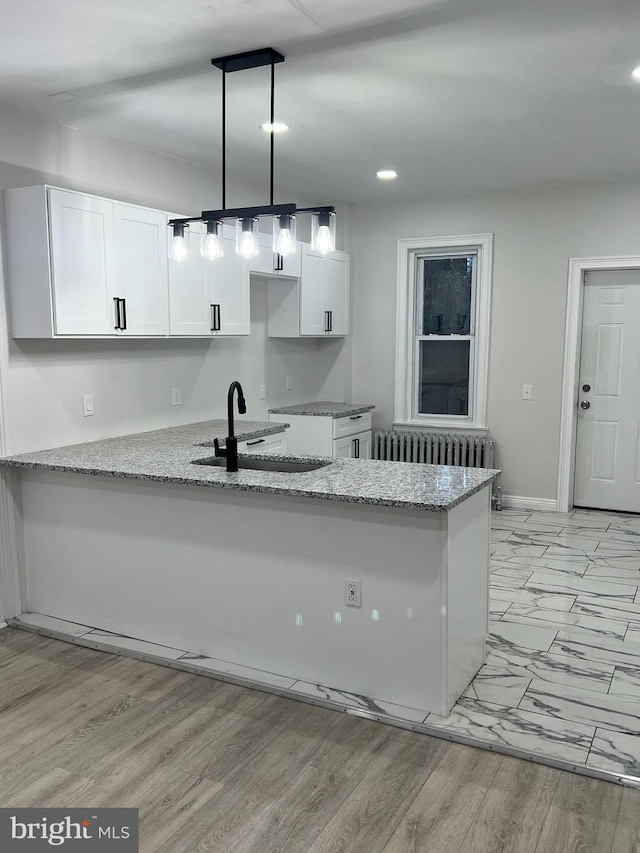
(230, 451)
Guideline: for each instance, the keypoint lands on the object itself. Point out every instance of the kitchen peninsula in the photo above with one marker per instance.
(144, 537)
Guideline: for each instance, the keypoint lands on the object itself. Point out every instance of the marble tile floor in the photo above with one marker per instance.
(562, 675)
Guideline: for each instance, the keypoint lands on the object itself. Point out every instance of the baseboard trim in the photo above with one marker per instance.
(519, 502)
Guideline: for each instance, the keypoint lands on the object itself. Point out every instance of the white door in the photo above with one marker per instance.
(140, 241)
(607, 469)
(190, 305)
(230, 292)
(336, 290)
(81, 231)
(312, 308)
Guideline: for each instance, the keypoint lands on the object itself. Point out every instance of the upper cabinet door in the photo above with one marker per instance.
(81, 239)
(190, 302)
(313, 320)
(268, 263)
(140, 244)
(336, 292)
(229, 277)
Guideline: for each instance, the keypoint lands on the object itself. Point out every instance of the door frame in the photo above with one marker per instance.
(572, 341)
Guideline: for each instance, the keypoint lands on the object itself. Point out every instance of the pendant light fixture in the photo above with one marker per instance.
(323, 224)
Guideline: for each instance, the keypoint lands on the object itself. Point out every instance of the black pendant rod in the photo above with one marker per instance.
(224, 139)
(273, 134)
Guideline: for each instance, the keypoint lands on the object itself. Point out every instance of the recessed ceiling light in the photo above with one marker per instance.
(636, 73)
(276, 127)
(386, 174)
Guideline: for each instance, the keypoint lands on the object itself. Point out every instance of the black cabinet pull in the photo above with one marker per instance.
(257, 441)
(279, 264)
(215, 317)
(116, 305)
(124, 314)
(330, 329)
(356, 448)
(326, 321)
(355, 418)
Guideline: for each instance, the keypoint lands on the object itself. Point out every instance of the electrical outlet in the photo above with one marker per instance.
(87, 405)
(175, 396)
(263, 392)
(527, 392)
(289, 383)
(353, 594)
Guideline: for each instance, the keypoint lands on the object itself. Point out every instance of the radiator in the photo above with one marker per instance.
(435, 448)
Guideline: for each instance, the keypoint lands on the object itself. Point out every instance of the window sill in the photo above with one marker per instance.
(440, 426)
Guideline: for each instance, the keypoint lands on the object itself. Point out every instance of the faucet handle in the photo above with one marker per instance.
(216, 448)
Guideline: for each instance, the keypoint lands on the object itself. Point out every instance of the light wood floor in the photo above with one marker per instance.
(215, 767)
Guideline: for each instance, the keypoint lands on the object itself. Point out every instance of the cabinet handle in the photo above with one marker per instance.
(355, 418)
(326, 321)
(331, 321)
(257, 441)
(356, 448)
(124, 314)
(279, 265)
(215, 317)
(116, 305)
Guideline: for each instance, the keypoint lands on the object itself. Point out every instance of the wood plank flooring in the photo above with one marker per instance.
(217, 767)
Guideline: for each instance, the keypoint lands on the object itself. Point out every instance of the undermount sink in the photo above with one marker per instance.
(264, 464)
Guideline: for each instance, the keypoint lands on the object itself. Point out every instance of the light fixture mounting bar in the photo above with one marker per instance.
(248, 59)
(248, 212)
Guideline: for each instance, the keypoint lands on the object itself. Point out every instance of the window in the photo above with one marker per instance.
(443, 331)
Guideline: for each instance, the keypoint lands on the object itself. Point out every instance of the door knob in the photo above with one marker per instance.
(585, 404)
(586, 388)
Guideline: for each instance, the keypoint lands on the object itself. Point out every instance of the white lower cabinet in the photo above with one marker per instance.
(275, 443)
(356, 446)
(348, 437)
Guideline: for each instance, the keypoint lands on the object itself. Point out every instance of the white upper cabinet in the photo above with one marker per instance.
(81, 266)
(209, 297)
(190, 310)
(316, 305)
(229, 277)
(269, 263)
(140, 238)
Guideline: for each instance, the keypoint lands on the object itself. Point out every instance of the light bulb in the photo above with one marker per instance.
(323, 231)
(323, 240)
(179, 248)
(247, 237)
(284, 234)
(179, 244)
(247, 245)
(213, 247)
(286, 246)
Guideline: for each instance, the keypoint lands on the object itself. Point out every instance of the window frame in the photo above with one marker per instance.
(410, 250)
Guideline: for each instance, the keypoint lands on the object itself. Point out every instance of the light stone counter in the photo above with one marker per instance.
(129, 536)
(168, 455)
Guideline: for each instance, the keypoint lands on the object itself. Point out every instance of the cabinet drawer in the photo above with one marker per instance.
(350, 424)
(265, 444)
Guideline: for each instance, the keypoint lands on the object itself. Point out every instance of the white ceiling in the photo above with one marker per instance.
(457, 95)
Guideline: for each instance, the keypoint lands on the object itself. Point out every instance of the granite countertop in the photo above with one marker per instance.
(167, 455)
(324, 408)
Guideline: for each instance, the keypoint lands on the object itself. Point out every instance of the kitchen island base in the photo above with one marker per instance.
(259, 580)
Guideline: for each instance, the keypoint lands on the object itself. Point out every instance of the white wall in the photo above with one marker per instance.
(535, 234)
(131, 381)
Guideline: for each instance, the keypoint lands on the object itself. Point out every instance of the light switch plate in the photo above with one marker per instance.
(175, 397)
(87, 405)
(527, 392)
